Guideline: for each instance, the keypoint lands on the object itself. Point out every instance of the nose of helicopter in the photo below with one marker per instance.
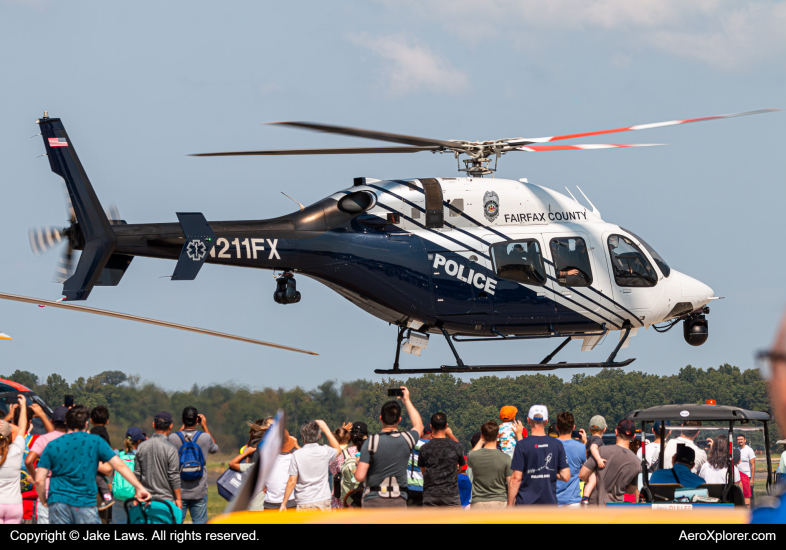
(694, 291)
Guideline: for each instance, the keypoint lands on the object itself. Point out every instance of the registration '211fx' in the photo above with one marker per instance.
(252, 248)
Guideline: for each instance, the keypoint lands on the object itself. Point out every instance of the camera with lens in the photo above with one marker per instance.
(695, 329)
(286, 290)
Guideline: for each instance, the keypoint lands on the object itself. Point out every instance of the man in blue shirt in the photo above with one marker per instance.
(680, 473)
(74, 460)
(538, 462)
(569, 493)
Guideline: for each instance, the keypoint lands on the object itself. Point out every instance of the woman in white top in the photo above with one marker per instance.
(12, 454)
(716, 469)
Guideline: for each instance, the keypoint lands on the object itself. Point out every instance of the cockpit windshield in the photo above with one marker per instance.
(630, 265)
(664, 267)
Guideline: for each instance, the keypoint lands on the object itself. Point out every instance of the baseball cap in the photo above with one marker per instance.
(5, 429)
(426, 430)
(359, 428)
(464, 467)
(657, 424)
(597, 422)
(135, 434)
(163, 415)
(58, 415)
(536, 411)
(626, 428)
(508, 413)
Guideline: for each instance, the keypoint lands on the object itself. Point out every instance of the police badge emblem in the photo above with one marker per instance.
(491, 205)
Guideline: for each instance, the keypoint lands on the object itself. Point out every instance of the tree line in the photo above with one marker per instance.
(611, 393)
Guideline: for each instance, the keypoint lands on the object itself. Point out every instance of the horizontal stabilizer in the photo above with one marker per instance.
(199, 240)
(114, 270)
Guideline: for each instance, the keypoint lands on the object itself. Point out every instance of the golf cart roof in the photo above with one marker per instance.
(696, 412)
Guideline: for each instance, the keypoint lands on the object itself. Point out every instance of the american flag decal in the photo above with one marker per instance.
(58, 142)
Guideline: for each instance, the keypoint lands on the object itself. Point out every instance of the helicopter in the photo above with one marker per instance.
(469, 258)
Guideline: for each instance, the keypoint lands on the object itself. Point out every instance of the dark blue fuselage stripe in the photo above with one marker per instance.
(413, 205)
(454, 209)
(599, 293)
(462, 245)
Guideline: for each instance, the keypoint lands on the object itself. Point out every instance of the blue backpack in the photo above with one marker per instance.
(192, 461)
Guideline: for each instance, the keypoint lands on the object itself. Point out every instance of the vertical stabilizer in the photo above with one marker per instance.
(100, 239)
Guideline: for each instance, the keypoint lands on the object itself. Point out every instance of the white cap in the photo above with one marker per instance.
(538, 410)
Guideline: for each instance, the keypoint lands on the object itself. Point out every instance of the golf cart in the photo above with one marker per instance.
(663, 495)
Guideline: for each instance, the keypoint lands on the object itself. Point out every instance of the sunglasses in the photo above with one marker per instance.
(767, 361)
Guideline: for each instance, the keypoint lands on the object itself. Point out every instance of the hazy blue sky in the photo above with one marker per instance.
(139, 85)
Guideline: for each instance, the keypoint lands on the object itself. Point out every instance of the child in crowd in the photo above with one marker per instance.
(595, 440)
(99, 417)
(507, 430)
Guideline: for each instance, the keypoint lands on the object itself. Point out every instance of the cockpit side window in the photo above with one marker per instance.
(661, 263)
(519, 261)
(630, 265)
(571, 261)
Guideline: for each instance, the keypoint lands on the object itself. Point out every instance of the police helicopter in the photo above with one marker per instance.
(470, 258)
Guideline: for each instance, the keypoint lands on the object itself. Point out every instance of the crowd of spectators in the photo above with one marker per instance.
(75, 476)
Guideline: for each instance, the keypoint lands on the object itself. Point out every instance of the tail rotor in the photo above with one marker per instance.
(44, 239)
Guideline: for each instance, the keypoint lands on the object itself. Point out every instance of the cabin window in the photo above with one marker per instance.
(660, 262)
(456, 207)
(571, 261)
(630, 265)
(519, 261)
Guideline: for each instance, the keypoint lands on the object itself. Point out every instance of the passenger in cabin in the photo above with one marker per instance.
(565, 261)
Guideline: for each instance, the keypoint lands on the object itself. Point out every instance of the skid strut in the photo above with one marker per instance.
(542, 366)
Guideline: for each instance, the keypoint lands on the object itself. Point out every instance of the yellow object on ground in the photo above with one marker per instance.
(529, 514)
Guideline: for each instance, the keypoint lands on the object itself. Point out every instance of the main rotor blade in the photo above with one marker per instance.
(85, 309)
(339, 151)
(639, 127)
(538, 148)
(371, 134)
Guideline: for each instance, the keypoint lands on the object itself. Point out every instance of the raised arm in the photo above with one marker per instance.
(22, 415)
(332, 441)
(39, 412)
(414, 416)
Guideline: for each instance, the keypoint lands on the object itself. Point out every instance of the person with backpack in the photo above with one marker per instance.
(157, 464)
(357, 436)
(121, 489)
(194, 443)
(384, 457)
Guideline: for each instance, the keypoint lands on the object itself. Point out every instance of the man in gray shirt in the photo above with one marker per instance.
(156, 463)
(384, 468)
(195, 492)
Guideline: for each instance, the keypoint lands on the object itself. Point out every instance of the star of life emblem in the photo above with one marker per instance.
(491, 205)
(196, 250)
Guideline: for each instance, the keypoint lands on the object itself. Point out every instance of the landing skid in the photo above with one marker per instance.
(542, 366)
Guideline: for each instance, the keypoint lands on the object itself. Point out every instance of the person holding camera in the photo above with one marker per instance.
(687, 438)
(384, 456)
(194, 443)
